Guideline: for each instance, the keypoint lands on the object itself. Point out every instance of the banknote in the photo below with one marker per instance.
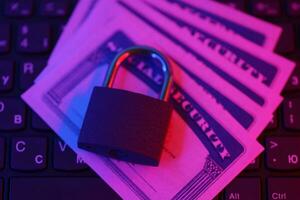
(255, 30)
(253, 90)
(197, 127)
(264, 66)
(263, 34)
(240, 107)
(163, 25)
(81, 12)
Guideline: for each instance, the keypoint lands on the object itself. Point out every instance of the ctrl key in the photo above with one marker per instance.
(283, 188)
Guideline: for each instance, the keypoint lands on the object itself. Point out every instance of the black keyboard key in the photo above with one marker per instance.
(65, 158)
(29, 153)
(38, 123)
(287, 42)
(283, 153)
(5, 38)
(33, 38)
(243, 188)
(6, 75)
(55, 8)
(18, 8)
(283, 188)
(291, 108)
(2, 153)
(12, 114)
(29, 70)
(294, 82)
(61, 188)
(293, 8)
(266, 8)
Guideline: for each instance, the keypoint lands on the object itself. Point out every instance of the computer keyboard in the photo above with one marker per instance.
(276, 173)
(35, 164)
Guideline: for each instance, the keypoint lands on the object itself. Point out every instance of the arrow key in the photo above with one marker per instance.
(283, 153)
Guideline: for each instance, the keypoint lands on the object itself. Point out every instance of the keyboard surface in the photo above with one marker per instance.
(276, 173)
(35, 164)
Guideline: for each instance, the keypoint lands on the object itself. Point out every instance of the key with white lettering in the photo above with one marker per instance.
(29, 69)
(243, 188)
(4, 38)
(18, 8)
(12, 114)
(266, 8)
(291, 108)
(65, 158)
(55, 8)
(283, 153)
(33, 38)
(28, 153)
(283, 188)
(6, 75)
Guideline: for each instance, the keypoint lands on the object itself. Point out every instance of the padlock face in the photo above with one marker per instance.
(125, 125)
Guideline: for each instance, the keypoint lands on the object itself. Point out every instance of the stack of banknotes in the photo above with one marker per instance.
(227, 84)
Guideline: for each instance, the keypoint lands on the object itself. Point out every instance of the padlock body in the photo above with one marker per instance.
(125, 125)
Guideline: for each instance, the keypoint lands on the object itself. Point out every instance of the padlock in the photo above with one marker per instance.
(124, 125)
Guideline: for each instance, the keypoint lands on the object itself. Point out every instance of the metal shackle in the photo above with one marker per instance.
(121, 57)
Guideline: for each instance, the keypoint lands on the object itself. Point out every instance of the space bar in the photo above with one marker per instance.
(60, 188)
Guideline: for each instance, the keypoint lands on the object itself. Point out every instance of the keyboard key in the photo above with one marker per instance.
(4, 38)
(2, 153)
(12, 114)
(266, 8)
(61, 188)
(38, 123)
(65, 158)
(29, 70)
(55, 8)
(18, 8)
(6, 75)
(283, 188)
(293, 8)
(283, 153)
(287, 42)
(243, 188)
(294, 82)
(29, 153)
(291, 107)
(33, 38)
